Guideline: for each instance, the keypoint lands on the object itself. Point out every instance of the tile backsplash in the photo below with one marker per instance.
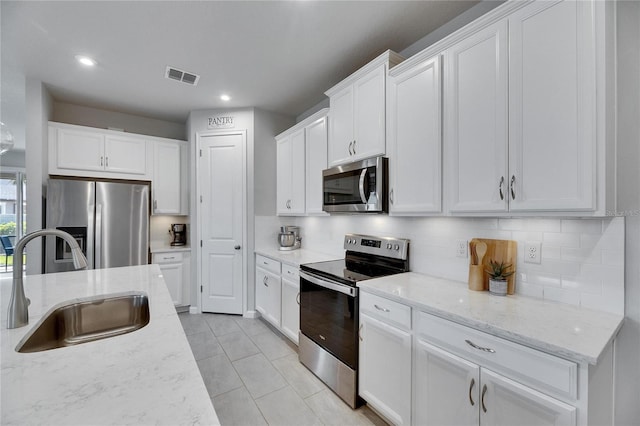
(582, 260)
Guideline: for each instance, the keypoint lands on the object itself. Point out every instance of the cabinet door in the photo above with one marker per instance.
(166, 178)
(316, 162)
(446, 388)
(290, 308)
(385, 369)
(415, 140)
(172, 275)
(369, 114)
(297, 165)
(125, 155)
(268, 296)
(475, 103)
(78, 150)
(552, 116)
(505, 402)
(341, 133)
(283, 175)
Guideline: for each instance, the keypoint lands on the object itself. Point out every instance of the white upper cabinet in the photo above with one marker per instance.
(125, 154)
(301, 158)
(552, 111)
(76, 150)
(414, 138)
(357, 120)
(316, 162)
(290, 175)
(476, 121)
(530, 133)
(169, 178)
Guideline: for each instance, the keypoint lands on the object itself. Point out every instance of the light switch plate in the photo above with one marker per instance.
(532, 252)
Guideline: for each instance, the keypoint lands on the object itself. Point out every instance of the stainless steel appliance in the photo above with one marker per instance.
(109, 220)
(359, 187)
(289, 238)
(179, 232)
(329, 320)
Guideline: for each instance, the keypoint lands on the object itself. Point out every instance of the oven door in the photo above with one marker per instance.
(355, 187)
(329, 316)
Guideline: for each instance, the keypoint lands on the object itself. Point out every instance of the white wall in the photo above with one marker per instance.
(100, 118)
(39, 105)
(581, 259)
(628, 140)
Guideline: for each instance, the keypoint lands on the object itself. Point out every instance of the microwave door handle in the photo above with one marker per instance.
(363, 197)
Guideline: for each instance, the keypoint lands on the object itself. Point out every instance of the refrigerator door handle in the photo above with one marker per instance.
(98, 249)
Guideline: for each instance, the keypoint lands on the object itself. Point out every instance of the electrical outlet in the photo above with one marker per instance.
(532, 252)
(462, 248)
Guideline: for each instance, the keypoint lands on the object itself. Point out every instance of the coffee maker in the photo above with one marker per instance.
(179, 232)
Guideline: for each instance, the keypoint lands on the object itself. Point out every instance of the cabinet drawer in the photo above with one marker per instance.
(290, 273)
(167, 257)
(387, 310)
(529, 366)
(268, 264)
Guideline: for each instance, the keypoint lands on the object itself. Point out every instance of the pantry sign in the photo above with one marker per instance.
(221, 122)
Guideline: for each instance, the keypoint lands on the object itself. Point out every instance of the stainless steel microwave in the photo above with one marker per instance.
(359, 187)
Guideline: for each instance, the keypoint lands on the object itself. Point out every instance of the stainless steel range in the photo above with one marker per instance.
(329, 321)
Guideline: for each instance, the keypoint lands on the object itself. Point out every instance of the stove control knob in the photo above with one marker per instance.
(389, 246)
(349, 241)
(353, 241)
(396, 247)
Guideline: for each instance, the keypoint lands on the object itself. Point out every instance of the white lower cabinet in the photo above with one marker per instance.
(290, 324)
(278, 295)
(385, 358)
(175, 271)
(450, 390)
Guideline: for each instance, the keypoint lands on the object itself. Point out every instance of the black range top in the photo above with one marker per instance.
(366, 258)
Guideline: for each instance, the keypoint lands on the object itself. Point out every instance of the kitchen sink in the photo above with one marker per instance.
(86, 320)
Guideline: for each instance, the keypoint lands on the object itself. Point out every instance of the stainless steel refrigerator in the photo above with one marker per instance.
(110, 221)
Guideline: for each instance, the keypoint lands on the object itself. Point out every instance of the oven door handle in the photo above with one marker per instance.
(344, 289)
(363, 196)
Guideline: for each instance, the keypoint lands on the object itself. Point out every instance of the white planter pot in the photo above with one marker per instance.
(498, 287)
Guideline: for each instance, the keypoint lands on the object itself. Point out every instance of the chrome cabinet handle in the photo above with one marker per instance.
(106, 162)
(298, 298)
(391, 196)
(264, 281)
(513, 180)
(500, 187)
(155, 204)
(350, 143)
(266, 263)
(484, 391)
(473, 383)
(101, 161)
(237, 247)
(354, 147)
(480, 348)
(381, 309)
(360, 333)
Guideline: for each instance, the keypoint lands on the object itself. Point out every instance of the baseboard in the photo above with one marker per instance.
(251, 314)
(182, 309)
(194, 310)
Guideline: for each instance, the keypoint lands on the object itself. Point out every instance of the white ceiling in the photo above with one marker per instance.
(276, 55)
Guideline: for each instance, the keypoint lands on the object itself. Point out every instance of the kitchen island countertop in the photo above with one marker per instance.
(148, 376)
(567, 331)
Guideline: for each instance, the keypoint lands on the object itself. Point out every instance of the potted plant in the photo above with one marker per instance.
(498, 277)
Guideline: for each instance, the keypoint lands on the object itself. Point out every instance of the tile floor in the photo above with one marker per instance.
(253, 376)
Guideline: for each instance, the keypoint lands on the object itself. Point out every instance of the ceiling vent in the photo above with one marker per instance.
(183, 76)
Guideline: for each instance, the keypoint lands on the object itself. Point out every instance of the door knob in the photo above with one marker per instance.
(237, 247)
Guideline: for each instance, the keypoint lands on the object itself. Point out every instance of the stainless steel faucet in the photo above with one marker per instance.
(19, 304)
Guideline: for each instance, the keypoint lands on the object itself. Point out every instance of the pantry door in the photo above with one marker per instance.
(222, 187)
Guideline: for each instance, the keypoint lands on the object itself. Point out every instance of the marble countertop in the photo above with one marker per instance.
(567, 331)
(148, 376)
(156, 247)
(294, 257)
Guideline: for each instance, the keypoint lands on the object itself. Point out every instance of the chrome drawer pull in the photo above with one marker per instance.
(480, 348)
(380, 309)
(500, 187)
(484, 391)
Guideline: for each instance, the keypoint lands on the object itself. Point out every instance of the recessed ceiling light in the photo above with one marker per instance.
(225, 97)
(85, 60)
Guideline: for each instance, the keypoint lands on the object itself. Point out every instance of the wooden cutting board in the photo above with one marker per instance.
(499, 251)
